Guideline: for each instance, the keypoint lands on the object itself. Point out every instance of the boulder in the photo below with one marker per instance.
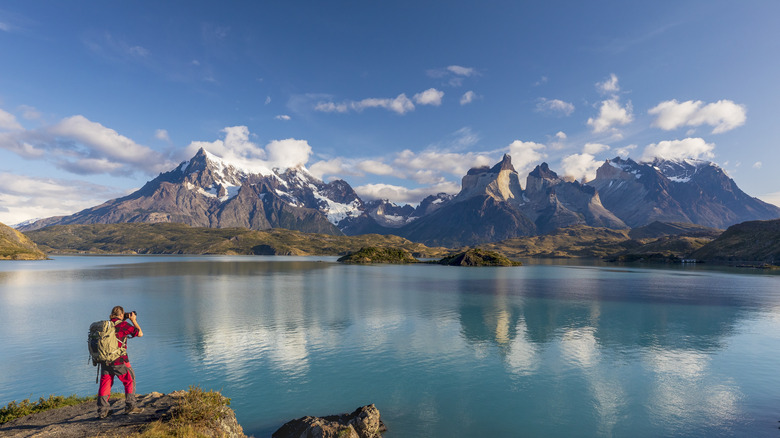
(363, 423)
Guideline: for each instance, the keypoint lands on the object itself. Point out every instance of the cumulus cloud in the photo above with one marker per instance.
(609, 86)
(594, 148)
(611, 114)
(8, 121)
(625, 151)
(525, 155)
(23, 198)
(284, 117)
(468, 97)
(554, 106)
(375, 167)
(79, 145)
(404, 195)
(162, 134)
(723, 115)
(679, 149)
(757, 165)
(580, 166)
(430, 96)
(238, 148)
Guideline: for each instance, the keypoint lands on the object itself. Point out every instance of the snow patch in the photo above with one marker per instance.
(336, 211)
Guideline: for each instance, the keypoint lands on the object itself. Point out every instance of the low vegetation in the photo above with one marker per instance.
(16, 246)
(197, 414)
(372, 254)
(478, 257)
(15, 410)
(170, 238)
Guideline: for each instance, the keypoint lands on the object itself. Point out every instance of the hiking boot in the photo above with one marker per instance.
(105, 414)
(133, 410)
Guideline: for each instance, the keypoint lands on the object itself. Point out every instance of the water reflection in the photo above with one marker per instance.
(445, 351)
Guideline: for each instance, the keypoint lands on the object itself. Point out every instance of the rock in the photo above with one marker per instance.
(365, 422)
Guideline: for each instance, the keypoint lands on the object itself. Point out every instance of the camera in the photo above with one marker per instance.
(127, 315)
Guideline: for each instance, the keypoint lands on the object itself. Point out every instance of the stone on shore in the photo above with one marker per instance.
(363, 423)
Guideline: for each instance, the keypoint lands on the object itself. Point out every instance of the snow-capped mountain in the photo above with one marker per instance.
(208, 191)
(693, 191)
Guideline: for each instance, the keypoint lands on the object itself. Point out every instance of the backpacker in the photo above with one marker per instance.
(104, 346)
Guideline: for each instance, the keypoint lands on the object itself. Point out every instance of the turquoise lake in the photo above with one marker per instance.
(542, 350)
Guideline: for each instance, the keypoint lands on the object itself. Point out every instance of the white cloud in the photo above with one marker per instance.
(454, 74)
(404, 195)
(239, 149)
(679, 149)
(723, 115)
(375, 167)
(594, 148)
(335, 167)
(330, 107)
(611, 114)
(554, 106)
(267, 100)
(401, 105)
(580, 166)
(162, 134)
(461, 71)
(757, 165)
(8, 121)
(24, 198)
(468, 97)
(284, 117)
(560, 135)
(625, 151)
(525, 155)
(609, 86)
(430, 96)
(81, 146)
(288, 153)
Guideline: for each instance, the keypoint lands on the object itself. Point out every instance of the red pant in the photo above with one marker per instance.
(125, 375)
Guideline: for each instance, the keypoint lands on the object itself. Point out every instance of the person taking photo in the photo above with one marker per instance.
(120, 368)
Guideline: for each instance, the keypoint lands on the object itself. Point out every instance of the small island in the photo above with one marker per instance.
(472, 257)
(478, 257)
(376, 254)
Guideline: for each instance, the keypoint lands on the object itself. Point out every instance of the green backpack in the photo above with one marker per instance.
(104, 346)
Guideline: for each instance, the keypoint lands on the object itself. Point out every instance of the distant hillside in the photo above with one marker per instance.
(660, 229)
(667, 249)
(170, 238)
(574, 241)
(754, 241)
(16, 246)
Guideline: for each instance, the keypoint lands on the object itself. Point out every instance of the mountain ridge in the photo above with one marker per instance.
(492, 205)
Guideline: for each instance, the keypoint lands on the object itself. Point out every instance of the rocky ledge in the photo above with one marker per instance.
(363, 423)
(82, 421)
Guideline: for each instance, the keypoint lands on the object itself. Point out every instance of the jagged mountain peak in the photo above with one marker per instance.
(543, 171)
(504, 164)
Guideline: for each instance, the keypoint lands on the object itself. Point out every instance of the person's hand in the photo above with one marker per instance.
(132, 317)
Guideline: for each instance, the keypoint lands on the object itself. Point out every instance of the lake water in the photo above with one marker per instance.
(540, 350)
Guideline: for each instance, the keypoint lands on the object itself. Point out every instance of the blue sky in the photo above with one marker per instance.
(399, 98)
